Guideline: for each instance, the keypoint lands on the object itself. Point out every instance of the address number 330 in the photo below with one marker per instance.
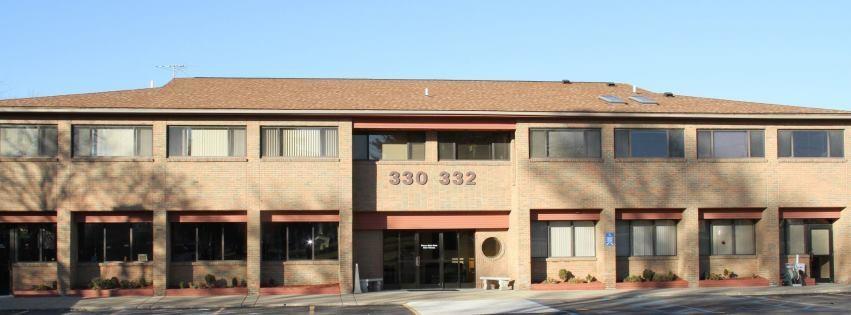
(421, 178)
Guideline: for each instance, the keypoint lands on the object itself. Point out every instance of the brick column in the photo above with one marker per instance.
(346, 251)
(607, 256)
(161, 252)
(520, 223)
(252, 259)
(768, 245)
(842, 248)
(688, 246)
(64, 257)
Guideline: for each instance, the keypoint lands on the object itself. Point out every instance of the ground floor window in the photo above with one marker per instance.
(99, 242)
(728, 237)
(563, 239)
(35, 242)
(299, 241)
(207, 241)
(646, 238)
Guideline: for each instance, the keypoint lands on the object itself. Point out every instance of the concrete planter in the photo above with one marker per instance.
(333, 288)
(734, 283)
(89, 293)
(34, 293)
(206, 292)
(680, 283)
(596, 285)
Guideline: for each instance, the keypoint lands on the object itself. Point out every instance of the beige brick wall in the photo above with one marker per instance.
(85, 272)
(548, 268)
(253, 184)
(196, 271)
(301, 272)
(29, 274)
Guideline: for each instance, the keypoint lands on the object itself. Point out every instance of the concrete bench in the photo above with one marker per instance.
(364, 284)
(502, 282)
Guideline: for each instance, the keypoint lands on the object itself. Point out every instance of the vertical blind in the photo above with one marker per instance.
(113, 141)
(722, 237)
(584, 234)
(209, 142)
(642, 238)
(561, 239)
(795, 241)
(666, 238)
(300, 142)
(745, 237)
(206, 141)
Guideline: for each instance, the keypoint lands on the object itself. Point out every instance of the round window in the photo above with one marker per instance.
(491, 247)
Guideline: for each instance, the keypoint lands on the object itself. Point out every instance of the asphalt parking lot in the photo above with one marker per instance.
(318, 310)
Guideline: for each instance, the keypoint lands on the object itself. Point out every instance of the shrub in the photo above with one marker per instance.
(633, 278)
(243, 284)
(124, 284)
(661, 277)
(549, 281)
(565, 275)
(589, 278)
(42, 287)
(576, 280)
(647, 274)
(143, 283)
(210, 279)
(729, 274)
(181, 285)
(714, 276)
(104, 284)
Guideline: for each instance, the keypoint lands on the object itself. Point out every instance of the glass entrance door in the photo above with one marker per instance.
(429, 259)
(821, 252)
(5, 257)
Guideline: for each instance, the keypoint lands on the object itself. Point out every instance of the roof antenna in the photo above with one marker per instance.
(426, 92)
(634, 89)
(174, 69)
(152, 84)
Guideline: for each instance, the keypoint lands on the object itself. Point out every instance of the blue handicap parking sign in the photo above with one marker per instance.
(610, 238)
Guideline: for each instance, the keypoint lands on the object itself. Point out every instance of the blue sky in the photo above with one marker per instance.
(772, 51)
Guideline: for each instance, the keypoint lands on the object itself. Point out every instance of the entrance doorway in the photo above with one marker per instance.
(821, 252)
(429, 259)
(5, 260)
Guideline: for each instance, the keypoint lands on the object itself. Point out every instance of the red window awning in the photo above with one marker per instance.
(428, 220)
(566, 215)
(731, 213)
(27, 217)
(301, 216)
(207, 216)
(114, 217)
(810, 213)
(650, 214)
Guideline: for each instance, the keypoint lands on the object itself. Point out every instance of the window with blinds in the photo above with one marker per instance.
(731, 237)
(565, 143)
(647, 238)
(394, 146)
(112, 141)
(563, 239)
(298, 142)
(28, 140)
(206, 141)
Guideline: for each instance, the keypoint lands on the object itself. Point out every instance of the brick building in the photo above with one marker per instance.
(286, 184)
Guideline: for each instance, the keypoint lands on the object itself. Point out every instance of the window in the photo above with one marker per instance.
(649, 143)
(731, 237)
(491, 247)
(99, 242)
(389, 146)
(563, 239)
(206, 141)
(207, 241)
(112, 141)
(796, 237)
(647, 238)
(299, 142)
(35, 242)
(29, 141)
(810, 143)
(300, 241)
(474, 146)
(730, 143)
(565, 143)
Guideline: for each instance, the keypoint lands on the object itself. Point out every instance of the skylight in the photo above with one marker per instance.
(643, 99)
(611, 99)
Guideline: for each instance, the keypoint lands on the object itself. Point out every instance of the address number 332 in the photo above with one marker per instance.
(421, 178)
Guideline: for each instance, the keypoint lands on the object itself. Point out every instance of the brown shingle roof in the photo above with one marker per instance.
(371, 94)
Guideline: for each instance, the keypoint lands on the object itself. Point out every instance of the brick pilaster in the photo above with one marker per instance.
(688, 246)
(161, 252)
(768, 245)
(346, 252)
(252, 260)
(64, 257)
(606, 255)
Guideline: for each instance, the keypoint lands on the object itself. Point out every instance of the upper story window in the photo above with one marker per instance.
(212, 141)
(810, 143)
(649, 143)
(565, 143)
(28, 140)
(299, 142)
(474, 146)
(395, 146)
(114, 141)
(730, 143)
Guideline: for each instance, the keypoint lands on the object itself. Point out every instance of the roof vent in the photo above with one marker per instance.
(566, 82)
(611, 99)
(610, 84)
(669, 94)
(643, 99)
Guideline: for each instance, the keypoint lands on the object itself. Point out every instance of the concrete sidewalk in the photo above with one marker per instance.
(378, 298)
